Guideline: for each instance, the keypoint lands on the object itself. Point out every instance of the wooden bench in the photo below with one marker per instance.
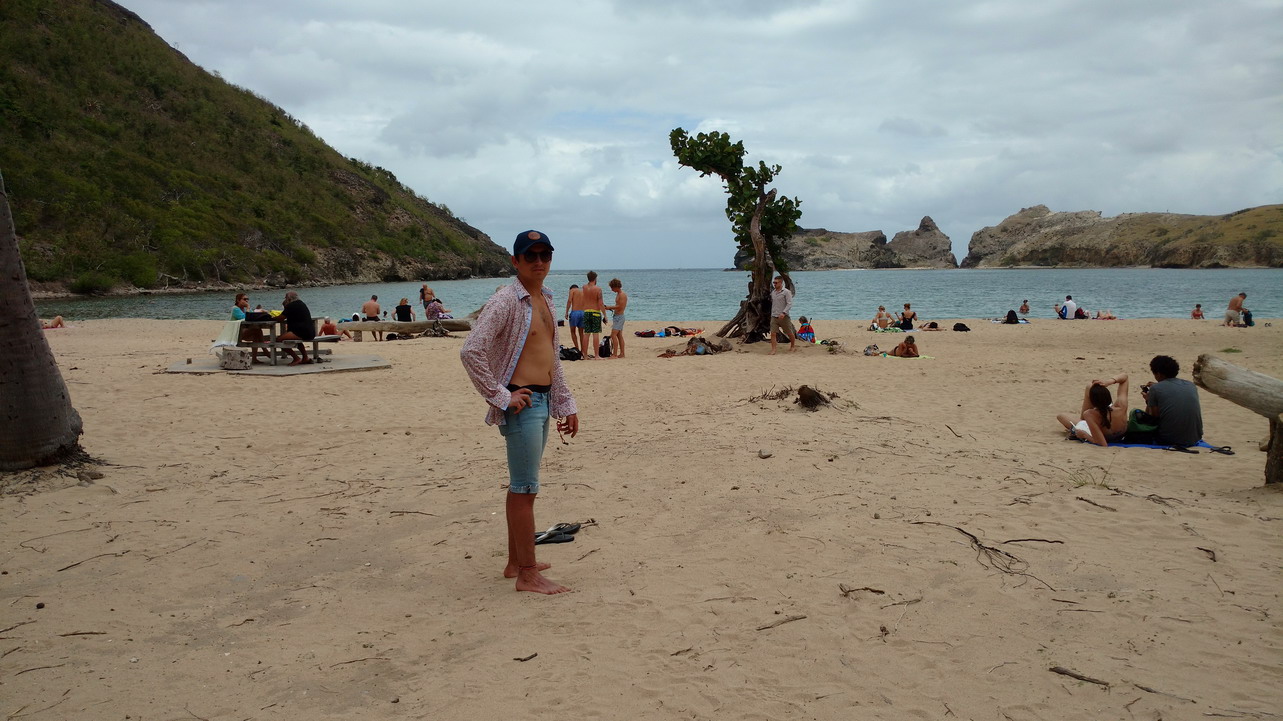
(277, 347)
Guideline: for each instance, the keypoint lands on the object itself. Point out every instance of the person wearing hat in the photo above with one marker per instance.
(512, 357)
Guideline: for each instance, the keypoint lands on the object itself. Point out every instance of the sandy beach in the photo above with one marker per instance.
(330, 546)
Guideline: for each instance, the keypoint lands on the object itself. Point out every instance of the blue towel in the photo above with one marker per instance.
(1200, 444)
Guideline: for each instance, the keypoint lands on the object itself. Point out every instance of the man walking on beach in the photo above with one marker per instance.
(511, 356)
(781, 304)
(1234, 313)
(617, 322)
(371, 312)
(594, 309)
(575, 317)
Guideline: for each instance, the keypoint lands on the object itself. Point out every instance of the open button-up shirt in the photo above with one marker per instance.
(493, 346)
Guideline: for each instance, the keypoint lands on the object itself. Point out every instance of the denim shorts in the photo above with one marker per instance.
(526, 433)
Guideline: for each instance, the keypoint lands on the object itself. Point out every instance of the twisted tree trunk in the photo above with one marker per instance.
(753, 322)
(37, 421)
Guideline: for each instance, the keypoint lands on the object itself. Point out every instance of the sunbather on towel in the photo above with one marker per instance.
(1102, 420)
(907, 349)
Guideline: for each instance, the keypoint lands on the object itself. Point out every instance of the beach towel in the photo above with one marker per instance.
(230, 336)
(1000, 320)
(921, 357)
(1201, 444)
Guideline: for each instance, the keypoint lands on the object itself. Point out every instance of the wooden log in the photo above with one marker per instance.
(1254, 391)
(414, 326)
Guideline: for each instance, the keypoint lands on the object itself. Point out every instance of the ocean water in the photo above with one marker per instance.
(710, 295)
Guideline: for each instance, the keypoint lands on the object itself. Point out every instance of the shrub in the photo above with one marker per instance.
(92, 283)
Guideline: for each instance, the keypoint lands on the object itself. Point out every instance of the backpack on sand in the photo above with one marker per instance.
(960, 327)
(571, 354)
(604, 350)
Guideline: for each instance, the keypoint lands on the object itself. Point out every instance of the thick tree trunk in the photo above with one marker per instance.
(753, 322)
(1254, 391)
(37, 421)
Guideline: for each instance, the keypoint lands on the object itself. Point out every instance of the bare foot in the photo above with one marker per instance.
(533, 581)
(510, 571)
(295, 362)
(771, 353)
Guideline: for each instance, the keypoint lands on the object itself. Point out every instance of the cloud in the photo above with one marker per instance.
(557, 114)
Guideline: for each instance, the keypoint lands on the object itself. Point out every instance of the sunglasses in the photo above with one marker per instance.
(532, 256)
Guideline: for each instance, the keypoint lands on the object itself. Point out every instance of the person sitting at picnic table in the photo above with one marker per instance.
(298, 326)
(329, 327)
(907, 349)
(435, 310)
(248, 335)
(404, 311)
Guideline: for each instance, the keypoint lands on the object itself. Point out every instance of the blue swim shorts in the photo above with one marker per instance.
(576, 319)
(526, 433)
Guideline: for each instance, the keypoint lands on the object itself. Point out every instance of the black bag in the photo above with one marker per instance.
(961, 327)
(571, 354)
(604, 350)
(258, 316)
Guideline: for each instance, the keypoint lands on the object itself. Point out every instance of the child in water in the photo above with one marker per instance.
(805, 331)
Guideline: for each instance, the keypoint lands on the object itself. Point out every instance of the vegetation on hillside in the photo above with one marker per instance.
(129, 164)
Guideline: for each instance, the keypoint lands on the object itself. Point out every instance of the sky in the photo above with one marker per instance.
(556, 115)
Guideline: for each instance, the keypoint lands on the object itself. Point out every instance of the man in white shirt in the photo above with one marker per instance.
(1070, 308)
(781, 304)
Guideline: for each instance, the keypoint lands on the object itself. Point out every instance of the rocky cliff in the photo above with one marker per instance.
(820, 249)
(1039, 237)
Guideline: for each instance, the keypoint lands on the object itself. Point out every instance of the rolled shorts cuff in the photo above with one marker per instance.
(525, 434)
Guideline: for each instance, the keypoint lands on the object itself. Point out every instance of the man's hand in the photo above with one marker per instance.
(520, 399)
(569, 424)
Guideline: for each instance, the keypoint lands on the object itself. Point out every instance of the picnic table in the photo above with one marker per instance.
(275, 347)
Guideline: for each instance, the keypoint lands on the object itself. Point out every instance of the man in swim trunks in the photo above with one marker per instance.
(371, 312)
(511, 356)
(1234, 313)
(575, 316)
(594, 309)
(617, 322)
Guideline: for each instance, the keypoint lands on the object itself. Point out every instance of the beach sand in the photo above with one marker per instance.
(330, 546)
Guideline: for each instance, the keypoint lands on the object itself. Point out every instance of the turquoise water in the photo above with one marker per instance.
(676, 295)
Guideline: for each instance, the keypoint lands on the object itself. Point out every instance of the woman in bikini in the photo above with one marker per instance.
(1102, 420)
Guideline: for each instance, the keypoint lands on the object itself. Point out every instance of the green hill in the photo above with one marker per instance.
(128, 165)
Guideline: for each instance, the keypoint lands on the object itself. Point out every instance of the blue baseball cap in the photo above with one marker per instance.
(527, 238)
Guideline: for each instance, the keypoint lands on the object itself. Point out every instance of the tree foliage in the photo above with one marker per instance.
(761, 218)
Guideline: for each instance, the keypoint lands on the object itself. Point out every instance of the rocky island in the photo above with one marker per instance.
(820, 249)
(1037, 236)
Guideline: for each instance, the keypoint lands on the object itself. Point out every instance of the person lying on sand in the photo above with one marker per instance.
(57, 322)
(1102, 419)
(907, 349)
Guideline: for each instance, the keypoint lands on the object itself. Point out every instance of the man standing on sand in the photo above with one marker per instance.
(617, 322)
(511, 356)
(1234, 314)
(575, 317)
(594, 309)
(781, 304)
(371, 312)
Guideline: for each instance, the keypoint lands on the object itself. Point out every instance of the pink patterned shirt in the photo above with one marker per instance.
(493, 346)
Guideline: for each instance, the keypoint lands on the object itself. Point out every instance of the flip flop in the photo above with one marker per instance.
(1226, 450)
(554, 538)
(569, 529)
(1182, 449)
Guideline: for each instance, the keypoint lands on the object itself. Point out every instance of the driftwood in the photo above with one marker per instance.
(1254, 391)
(410, 328)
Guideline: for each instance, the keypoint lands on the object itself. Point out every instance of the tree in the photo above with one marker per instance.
(761, 219)
(37, 421)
